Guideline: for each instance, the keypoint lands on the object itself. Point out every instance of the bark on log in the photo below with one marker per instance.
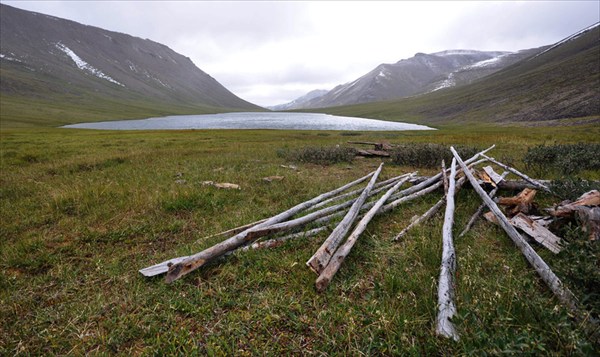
(193, 262)
(477, 213)
(322, 256)
(341, 254)
(564, 295)
(446, 307)
(537, 232)
(536, 183)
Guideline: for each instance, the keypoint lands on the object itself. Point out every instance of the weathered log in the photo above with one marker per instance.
(589, 217)
(591, 198)
(536, 183)
(275, 242)
(477, 213)
(322, 256)
(176, 270)
(378, 187)
(586, 210)
(564, 295)
(519, 185)
(537, 232)
(336, 261)
(446, 307)
(232, 231)
(521, 203)
(495, 178)
(445, 178)
(370, 153)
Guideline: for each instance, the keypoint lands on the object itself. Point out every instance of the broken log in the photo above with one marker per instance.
(336, 261)
(564, 295)
(494, 177)
(177, 270)
(536, 183)
(446, 307)
(586, 209)
(538, 232)
(477, 213)
(321, 258)
(521, 203)
(591, 198)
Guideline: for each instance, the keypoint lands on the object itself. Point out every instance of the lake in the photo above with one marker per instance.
(268, 120)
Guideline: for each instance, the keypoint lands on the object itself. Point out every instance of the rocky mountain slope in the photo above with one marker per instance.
(420, 74)
(300, 102)
(560, 82)
(48, 58)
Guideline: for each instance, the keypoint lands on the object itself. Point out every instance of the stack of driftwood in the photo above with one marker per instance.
(349, 213)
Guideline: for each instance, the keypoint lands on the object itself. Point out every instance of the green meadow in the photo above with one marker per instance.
(83, 211)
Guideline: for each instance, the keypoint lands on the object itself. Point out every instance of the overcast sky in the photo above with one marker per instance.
(273, 52)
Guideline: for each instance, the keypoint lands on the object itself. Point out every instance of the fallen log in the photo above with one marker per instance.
(477, 213)
(564, 295)
(591, 198)
(321, 258)
(232, 231)
(586, 210)
(336, 261)
(521, 203)
(538, 232)
(519, 185)
(536, 183)
(446, 306)
(190, 263)
(275, 242)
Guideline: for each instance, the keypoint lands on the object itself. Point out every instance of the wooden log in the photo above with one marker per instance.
(477, 213)
(336, 261)
(275, 242)
(496, 179)
(322, 256)
(446, 306)
(445, 178)
(591, 198)
(536, 183)
(519, 185)
(177, 270)
(384, 185)
(537, 232)
(564, 295)
(233, 231)
(430, 212)
(521, 203)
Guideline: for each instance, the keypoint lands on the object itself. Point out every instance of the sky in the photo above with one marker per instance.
(270, 53)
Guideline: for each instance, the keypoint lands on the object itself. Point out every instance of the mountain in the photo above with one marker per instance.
(561, 81)
(298, 103)
(49, 61)
(420, 74)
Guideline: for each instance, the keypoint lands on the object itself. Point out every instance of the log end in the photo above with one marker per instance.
(178, 270)
(322, 283)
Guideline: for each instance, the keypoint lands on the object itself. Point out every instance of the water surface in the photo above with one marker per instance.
(282, 121)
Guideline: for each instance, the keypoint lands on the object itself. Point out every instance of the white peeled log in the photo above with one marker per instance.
(536, 183)
(446, 306)
(564, 295)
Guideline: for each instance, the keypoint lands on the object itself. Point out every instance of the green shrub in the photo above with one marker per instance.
(319, 155)
(428, 155)
(571, 188)
(565, 159)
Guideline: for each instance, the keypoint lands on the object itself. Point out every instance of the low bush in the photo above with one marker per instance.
(319, 155)
(565, 159)
(428, 155)
(571, 188)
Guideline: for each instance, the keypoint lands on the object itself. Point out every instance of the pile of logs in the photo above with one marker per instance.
(347, 215)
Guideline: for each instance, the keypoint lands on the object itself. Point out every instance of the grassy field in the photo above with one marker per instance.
(82, 211)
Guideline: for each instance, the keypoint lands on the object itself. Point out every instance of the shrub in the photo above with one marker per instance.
(571, 188)
(319, 155)
(428, 155)
(566, 159)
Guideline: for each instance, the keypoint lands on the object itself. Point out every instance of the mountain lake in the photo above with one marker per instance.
(253, 120)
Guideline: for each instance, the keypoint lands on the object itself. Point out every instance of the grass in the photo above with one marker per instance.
(82, 211)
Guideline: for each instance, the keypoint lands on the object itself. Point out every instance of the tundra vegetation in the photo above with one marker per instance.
(82, 211)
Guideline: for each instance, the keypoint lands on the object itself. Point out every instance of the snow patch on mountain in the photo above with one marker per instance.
(8, 58)
(84, 66)
(570, 38)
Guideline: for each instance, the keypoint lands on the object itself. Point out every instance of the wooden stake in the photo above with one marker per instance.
(446, 307)
(564, 295)
(322, 256)
(336, 262)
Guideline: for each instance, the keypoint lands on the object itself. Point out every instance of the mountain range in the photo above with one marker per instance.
(60, 71)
